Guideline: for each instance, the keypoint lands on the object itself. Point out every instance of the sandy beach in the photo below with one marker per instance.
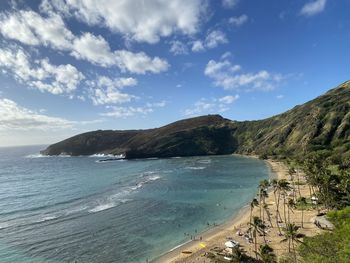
(214, 238)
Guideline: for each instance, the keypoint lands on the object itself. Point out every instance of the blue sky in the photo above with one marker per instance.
(70, 66)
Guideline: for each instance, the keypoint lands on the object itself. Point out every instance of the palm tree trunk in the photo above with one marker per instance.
(294, 252)
(298, 183)
(302, 217)
(256, 246)
(284, 209)
(289, 245)
(251, 213)
(278, 213)
(310, 190)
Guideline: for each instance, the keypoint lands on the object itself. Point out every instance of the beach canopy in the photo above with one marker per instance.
(231, 244)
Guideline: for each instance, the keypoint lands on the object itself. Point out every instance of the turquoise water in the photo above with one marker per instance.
(75, 209)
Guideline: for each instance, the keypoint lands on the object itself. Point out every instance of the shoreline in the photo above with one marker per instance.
(213, 235)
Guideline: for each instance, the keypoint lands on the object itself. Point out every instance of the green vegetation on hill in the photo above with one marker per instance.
(321, 125)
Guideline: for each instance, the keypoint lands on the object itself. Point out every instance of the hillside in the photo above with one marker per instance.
(322, 124)
(205, 135)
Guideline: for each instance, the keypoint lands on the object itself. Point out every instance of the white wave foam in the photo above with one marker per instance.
(102, 207)
(46, 218)
(204, 161)
(99, 155)
(146, 181)
(4, 225)
(195, 167)
(76, 210)
(37, 155)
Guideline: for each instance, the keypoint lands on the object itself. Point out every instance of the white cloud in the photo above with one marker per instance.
(229, 3)
(123, 112)
(212, 40)
(226, 75)
(280, 97)
(226, 55)
(215, 38)
(145, 21)
(313, 8)
(97, 50)
(178, 48)
(15, 117)
(94, 49)
(197, 46)
(229, 99)
(206, 106)
(107, 91)
(30, 28)
(160, 104)
(238, 20)
(56, 79)
(139, 62)
(214, 68)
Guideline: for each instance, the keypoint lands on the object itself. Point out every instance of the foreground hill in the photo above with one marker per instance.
(322, 124)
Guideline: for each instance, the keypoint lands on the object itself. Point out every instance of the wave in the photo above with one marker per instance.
(102, 207)
(204, 161)
(99, 155)
(47, 218)
(195, 167)
(119, 198)
(110, 204)
(4, 225)
(146, 181)
(39, 155)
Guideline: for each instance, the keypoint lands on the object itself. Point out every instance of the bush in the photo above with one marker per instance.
(329, 247)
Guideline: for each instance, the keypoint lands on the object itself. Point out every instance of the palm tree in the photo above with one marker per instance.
(253, 204)
(263, 194)
(263, 185)
(291, 235)
(302, 203)
(283, 186)
(266, 254)
(275, 186)
(298, 181)
(257, 227)
(266, 208)
(291, 205)
(291, 172)
(238, 254)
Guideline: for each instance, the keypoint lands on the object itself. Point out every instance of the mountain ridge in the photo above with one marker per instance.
(322, 124)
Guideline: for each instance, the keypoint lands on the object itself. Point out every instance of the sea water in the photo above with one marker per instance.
(76, 209)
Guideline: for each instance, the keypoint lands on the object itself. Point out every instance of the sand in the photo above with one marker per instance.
(217, 236)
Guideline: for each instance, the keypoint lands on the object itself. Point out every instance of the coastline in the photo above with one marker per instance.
(216, 237)
(218, 234)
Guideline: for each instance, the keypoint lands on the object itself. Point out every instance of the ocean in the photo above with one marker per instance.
(76, 209)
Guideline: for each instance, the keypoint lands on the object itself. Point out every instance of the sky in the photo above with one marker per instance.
(71, 66)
